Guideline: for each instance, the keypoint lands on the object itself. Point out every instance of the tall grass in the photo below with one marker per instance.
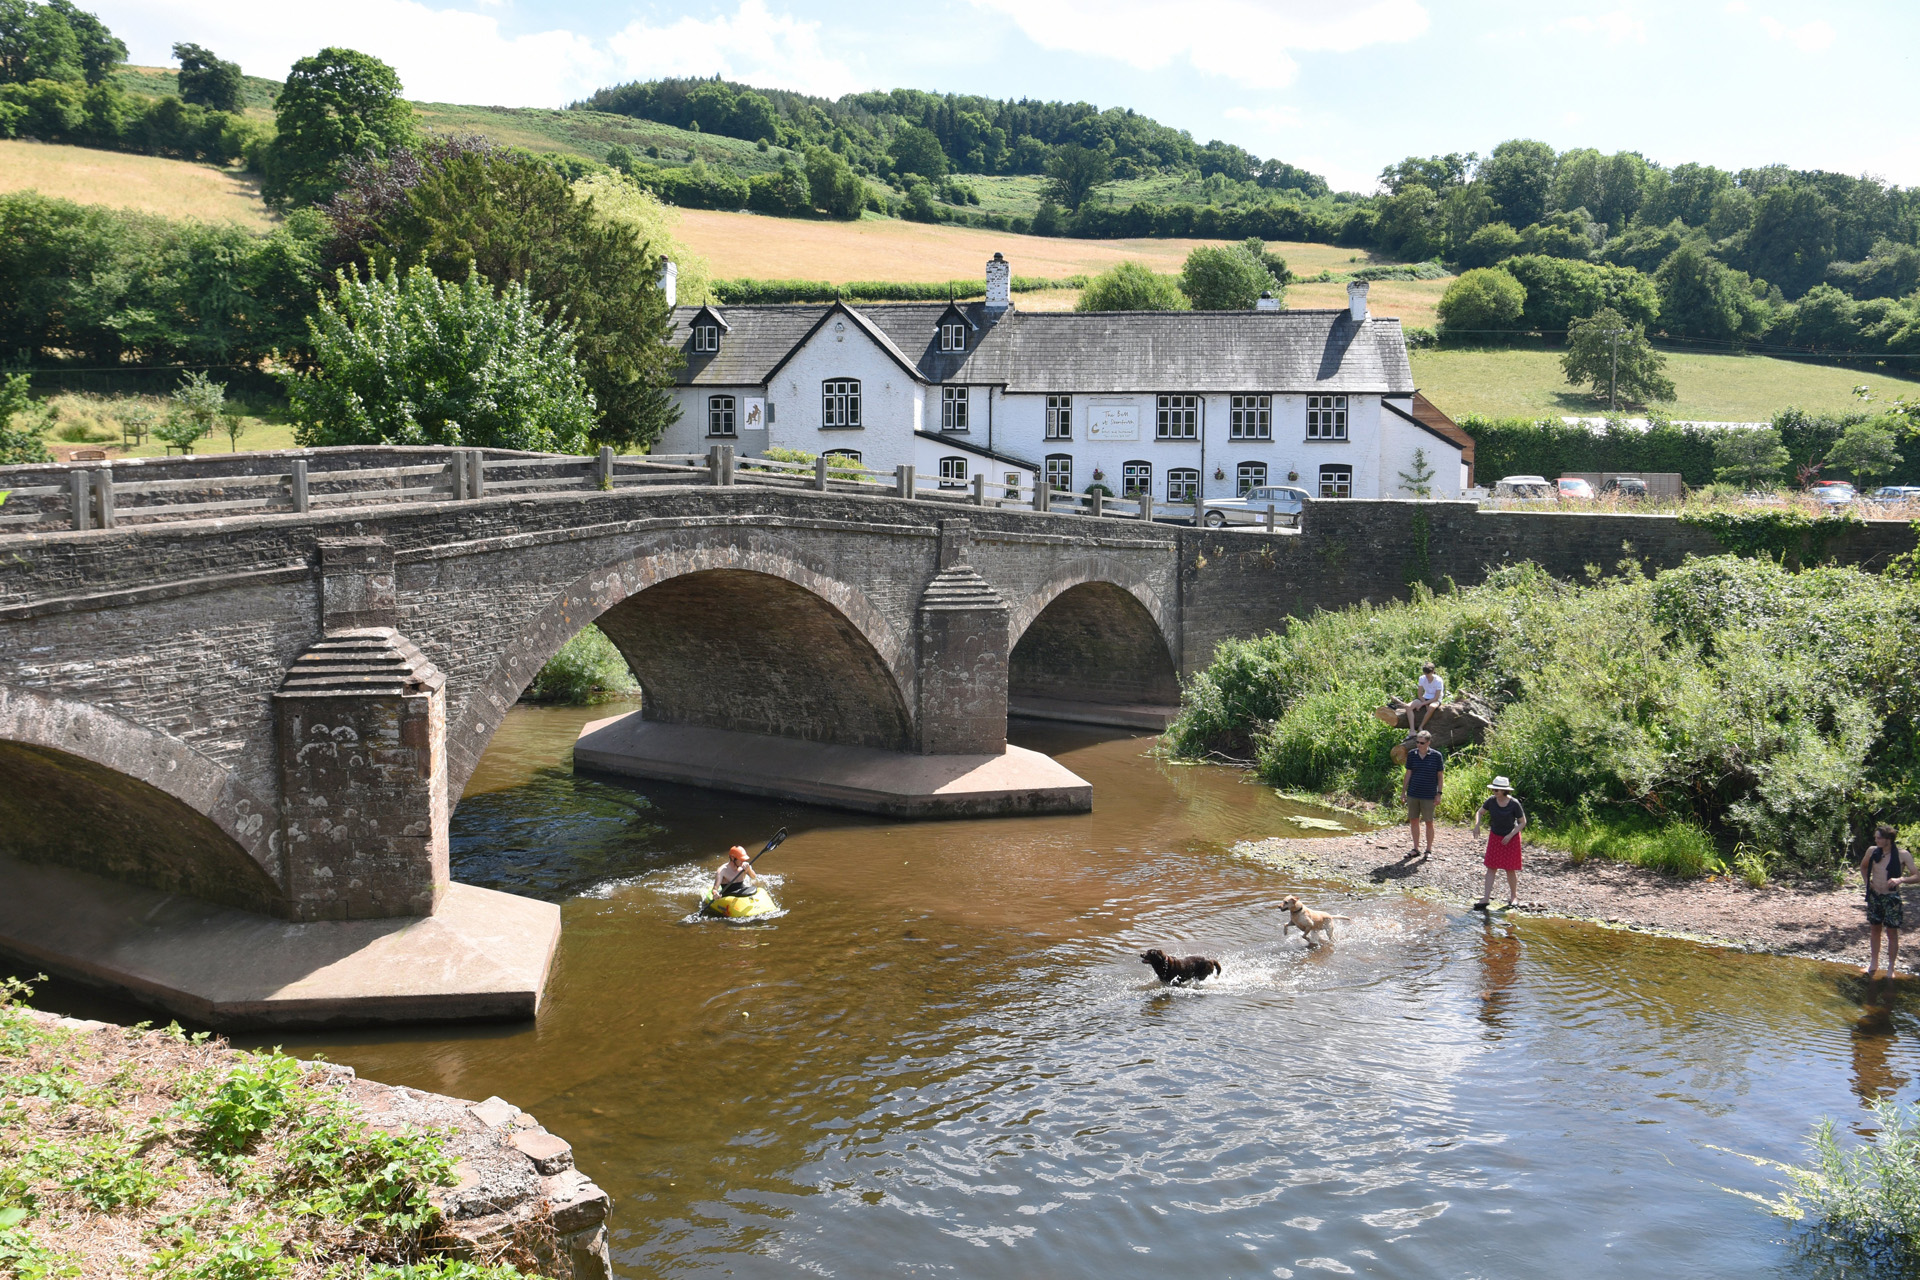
(1660, 720)
(1866, 1197)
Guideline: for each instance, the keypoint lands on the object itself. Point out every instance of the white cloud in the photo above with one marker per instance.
(754, 45)
(1246, 40)
(446, 54)
(442, 54)
(1809, 36)
(1615, 27)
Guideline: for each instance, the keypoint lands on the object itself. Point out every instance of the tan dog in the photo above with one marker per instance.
(1307, 921)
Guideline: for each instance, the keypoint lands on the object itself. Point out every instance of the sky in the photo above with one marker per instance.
(1340, 87)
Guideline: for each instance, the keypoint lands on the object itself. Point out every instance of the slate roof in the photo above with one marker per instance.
(1085, 352)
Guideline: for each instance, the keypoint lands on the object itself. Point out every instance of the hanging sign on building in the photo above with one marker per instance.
(1113, 420)
(753, 415)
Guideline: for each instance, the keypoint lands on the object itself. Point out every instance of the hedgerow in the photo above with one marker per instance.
(1726, 707)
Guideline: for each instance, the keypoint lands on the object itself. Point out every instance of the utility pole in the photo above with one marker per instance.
(1613, 368)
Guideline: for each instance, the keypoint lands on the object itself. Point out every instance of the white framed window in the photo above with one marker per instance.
(1183, 484)
(1059, 417)
(720, 415)
(844, 455)
(953, 408)
(1179, 418)
(1010, 481)
(953, 336)
(1326, 417)
(1136, 478)
(1336, 480)
(840, 402)
(1060, 471)
(1252, 418)
(1249, 476)
(953, 473)
(706, 338)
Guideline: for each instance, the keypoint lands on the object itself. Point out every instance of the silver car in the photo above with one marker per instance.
(1287, 504)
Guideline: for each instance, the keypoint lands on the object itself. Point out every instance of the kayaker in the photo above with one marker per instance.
(736, 877)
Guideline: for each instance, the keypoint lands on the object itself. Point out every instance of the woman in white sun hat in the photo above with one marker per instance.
(1505, 821)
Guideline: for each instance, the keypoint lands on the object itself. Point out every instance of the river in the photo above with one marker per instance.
(946, 1059)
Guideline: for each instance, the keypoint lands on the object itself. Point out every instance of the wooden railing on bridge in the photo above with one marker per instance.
(119, 494)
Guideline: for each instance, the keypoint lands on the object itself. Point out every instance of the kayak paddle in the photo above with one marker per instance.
(772, 844)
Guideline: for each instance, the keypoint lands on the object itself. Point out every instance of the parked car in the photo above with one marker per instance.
(1627, 486)
(1523, 487)
(1896, 493)
(1834, 493)
(1574, 489)
(1287, 504)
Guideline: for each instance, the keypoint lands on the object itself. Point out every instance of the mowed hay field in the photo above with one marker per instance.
(174, 188)
(767, 248)
(1714, 388)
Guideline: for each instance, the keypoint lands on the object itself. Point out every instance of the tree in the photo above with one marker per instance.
(1225, 278)
(1410, 223)
(1418, 479)
(1492, 243)
(22, 424)
(620, 157)
(1129, 286)
(514, 219)
(1562, 290)
(207, 79)
(1703, 298)
(1275, 264)
(1519, 176)
(916, 150)
(337, 104)
(833, 185)
(1749, 458)
(1074, 172)
(416, 360)
(1866, 449)
(1483, 304)
(198, 403)
(1613, 355)
(99, 50)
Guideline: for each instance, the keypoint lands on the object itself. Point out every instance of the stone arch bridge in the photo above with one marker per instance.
(229, 747)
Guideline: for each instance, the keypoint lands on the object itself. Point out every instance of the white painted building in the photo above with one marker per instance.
(1177, 402)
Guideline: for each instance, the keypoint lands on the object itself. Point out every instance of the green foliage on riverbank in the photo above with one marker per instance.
(1726, 709)
(588, 669)
(1866, 1197)
(126, 1151)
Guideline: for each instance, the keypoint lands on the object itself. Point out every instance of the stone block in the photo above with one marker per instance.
(963, 665)
(576, 1203)
(495, 1112)
(550, 1154)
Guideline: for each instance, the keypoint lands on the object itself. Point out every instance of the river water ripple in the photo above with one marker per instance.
(946, 1060)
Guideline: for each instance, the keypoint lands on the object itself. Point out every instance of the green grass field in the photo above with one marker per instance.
(1716, 388)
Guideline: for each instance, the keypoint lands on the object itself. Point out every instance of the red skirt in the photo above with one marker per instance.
(1503, 852)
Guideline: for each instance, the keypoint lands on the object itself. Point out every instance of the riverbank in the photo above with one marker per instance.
(1798, 918)
(127, 1151)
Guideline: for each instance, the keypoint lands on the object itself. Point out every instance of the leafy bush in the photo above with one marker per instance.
(1130, 286)
(1867, 1197)
(587, 669)
(1728, 699)
(421, 361)
(21, 422)
(1485, 303)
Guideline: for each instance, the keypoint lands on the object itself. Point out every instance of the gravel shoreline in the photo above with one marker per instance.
(1787, 917)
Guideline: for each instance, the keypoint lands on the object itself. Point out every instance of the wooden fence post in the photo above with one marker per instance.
(903, 480)
(980, 489)
(476, 473)
(820, 473)
(1097, 505)
(103, 496)
(299, 482)
(603, 472)
(713, 464)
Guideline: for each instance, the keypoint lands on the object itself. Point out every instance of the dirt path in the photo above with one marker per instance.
(1786, 917)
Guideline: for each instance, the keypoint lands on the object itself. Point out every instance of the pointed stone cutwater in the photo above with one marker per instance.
(362, 719)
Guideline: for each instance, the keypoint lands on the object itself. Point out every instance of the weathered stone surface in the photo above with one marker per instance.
(549, 1154)
(577, 1204)
(495, 1112)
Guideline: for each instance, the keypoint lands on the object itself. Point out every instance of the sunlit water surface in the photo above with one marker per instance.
(946, 1059)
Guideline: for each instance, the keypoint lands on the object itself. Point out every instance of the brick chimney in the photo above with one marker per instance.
(1267, 302)
(1357, 301)
(999, 284)
(670, 281)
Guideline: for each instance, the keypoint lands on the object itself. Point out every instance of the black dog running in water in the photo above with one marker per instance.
(1179, 968)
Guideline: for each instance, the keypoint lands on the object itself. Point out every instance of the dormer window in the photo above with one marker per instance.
(953, 336)
(706, 338)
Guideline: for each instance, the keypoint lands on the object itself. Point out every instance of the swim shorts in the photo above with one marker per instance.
(1885, 909)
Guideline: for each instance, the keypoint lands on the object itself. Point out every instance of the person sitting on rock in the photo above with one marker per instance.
(736, 877)
(1433, 690)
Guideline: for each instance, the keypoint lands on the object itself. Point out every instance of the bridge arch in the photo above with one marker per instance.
(1099, 639)
(807, 653)
(88, 789)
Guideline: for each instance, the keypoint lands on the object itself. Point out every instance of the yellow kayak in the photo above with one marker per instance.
(738, 906)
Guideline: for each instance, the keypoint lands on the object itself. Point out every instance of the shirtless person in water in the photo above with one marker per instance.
(736, 875)
(1885, 868)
